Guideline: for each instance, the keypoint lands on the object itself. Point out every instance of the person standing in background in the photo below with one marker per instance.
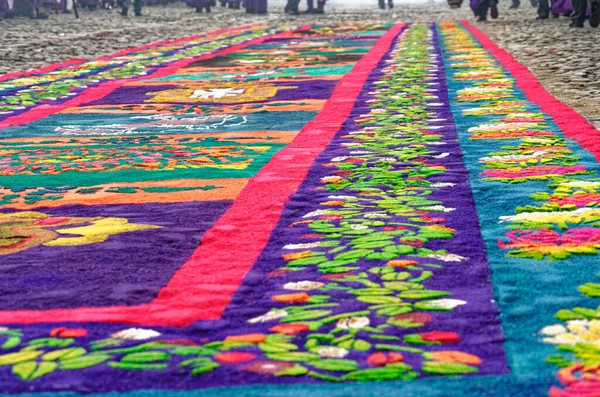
(580, 13)
(256, 6)
(382, 4)
(311, 9)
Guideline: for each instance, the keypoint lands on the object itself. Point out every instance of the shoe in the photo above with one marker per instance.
(289, 11)
(41, 15)
(319, 10)
(480, 19)
(595, 14)
(390, 4)
(567, 14)
(576, 25)
(540, 17)
(494, 11)
(124, 11)
(138, 14)
(554, 16)
(513, 7)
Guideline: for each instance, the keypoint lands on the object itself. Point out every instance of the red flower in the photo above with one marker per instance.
(440, 336)
(234, 357)
(421, 318)
(63, 332)
(380, 359)
(299, 297)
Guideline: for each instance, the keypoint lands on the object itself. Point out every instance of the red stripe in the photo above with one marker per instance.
(203, 286)
(572, 124)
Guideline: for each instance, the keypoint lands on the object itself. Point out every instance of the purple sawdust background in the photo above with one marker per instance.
(127, 269)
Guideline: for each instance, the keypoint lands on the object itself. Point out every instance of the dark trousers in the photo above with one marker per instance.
(292, 5)
(516, 3)
(137, 5)
(484, 6)
(579, 11)
(544, 8)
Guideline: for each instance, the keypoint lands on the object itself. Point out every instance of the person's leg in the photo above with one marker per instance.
(543, 10)
(482, 10)
(595, 13)
(292, 6)
(125, 9)
(579, 13)
(137, 7)
(494, 9)
(515, 4)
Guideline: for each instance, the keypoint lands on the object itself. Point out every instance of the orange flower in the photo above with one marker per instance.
(299, 297)
(456, 356)
(63, 332)
(289, 329)
(234, 357)
(308, 222)
(250, 338)
(334, 203)
(296, 255)
(401, 263)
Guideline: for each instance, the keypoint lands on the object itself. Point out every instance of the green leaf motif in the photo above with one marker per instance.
(18, 357)
(591, 290)
(293, 356)
(335, 365)
(25, 369)
(146, 357)
(86, 361)
(447, 368)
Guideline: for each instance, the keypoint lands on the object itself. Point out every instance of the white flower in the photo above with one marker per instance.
(441, 156)
(333, 352)
(353, 322)
(552, 330)
(375, 215)
(300, 246)
(4, 329)
(514, 157)
(443, 184)
(445, 303)
(576, 331)
(448, 257)
(387, 160)
(564, 216)
(439, 208)
(272, 315)
(358, 227)
(340, 158)
(342, 197)
(317, 213)
(303, 285)
(135, 334)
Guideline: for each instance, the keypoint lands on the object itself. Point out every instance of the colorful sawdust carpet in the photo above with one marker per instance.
(298, 210)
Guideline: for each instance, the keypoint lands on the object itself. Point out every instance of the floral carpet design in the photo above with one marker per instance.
(293, 210)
